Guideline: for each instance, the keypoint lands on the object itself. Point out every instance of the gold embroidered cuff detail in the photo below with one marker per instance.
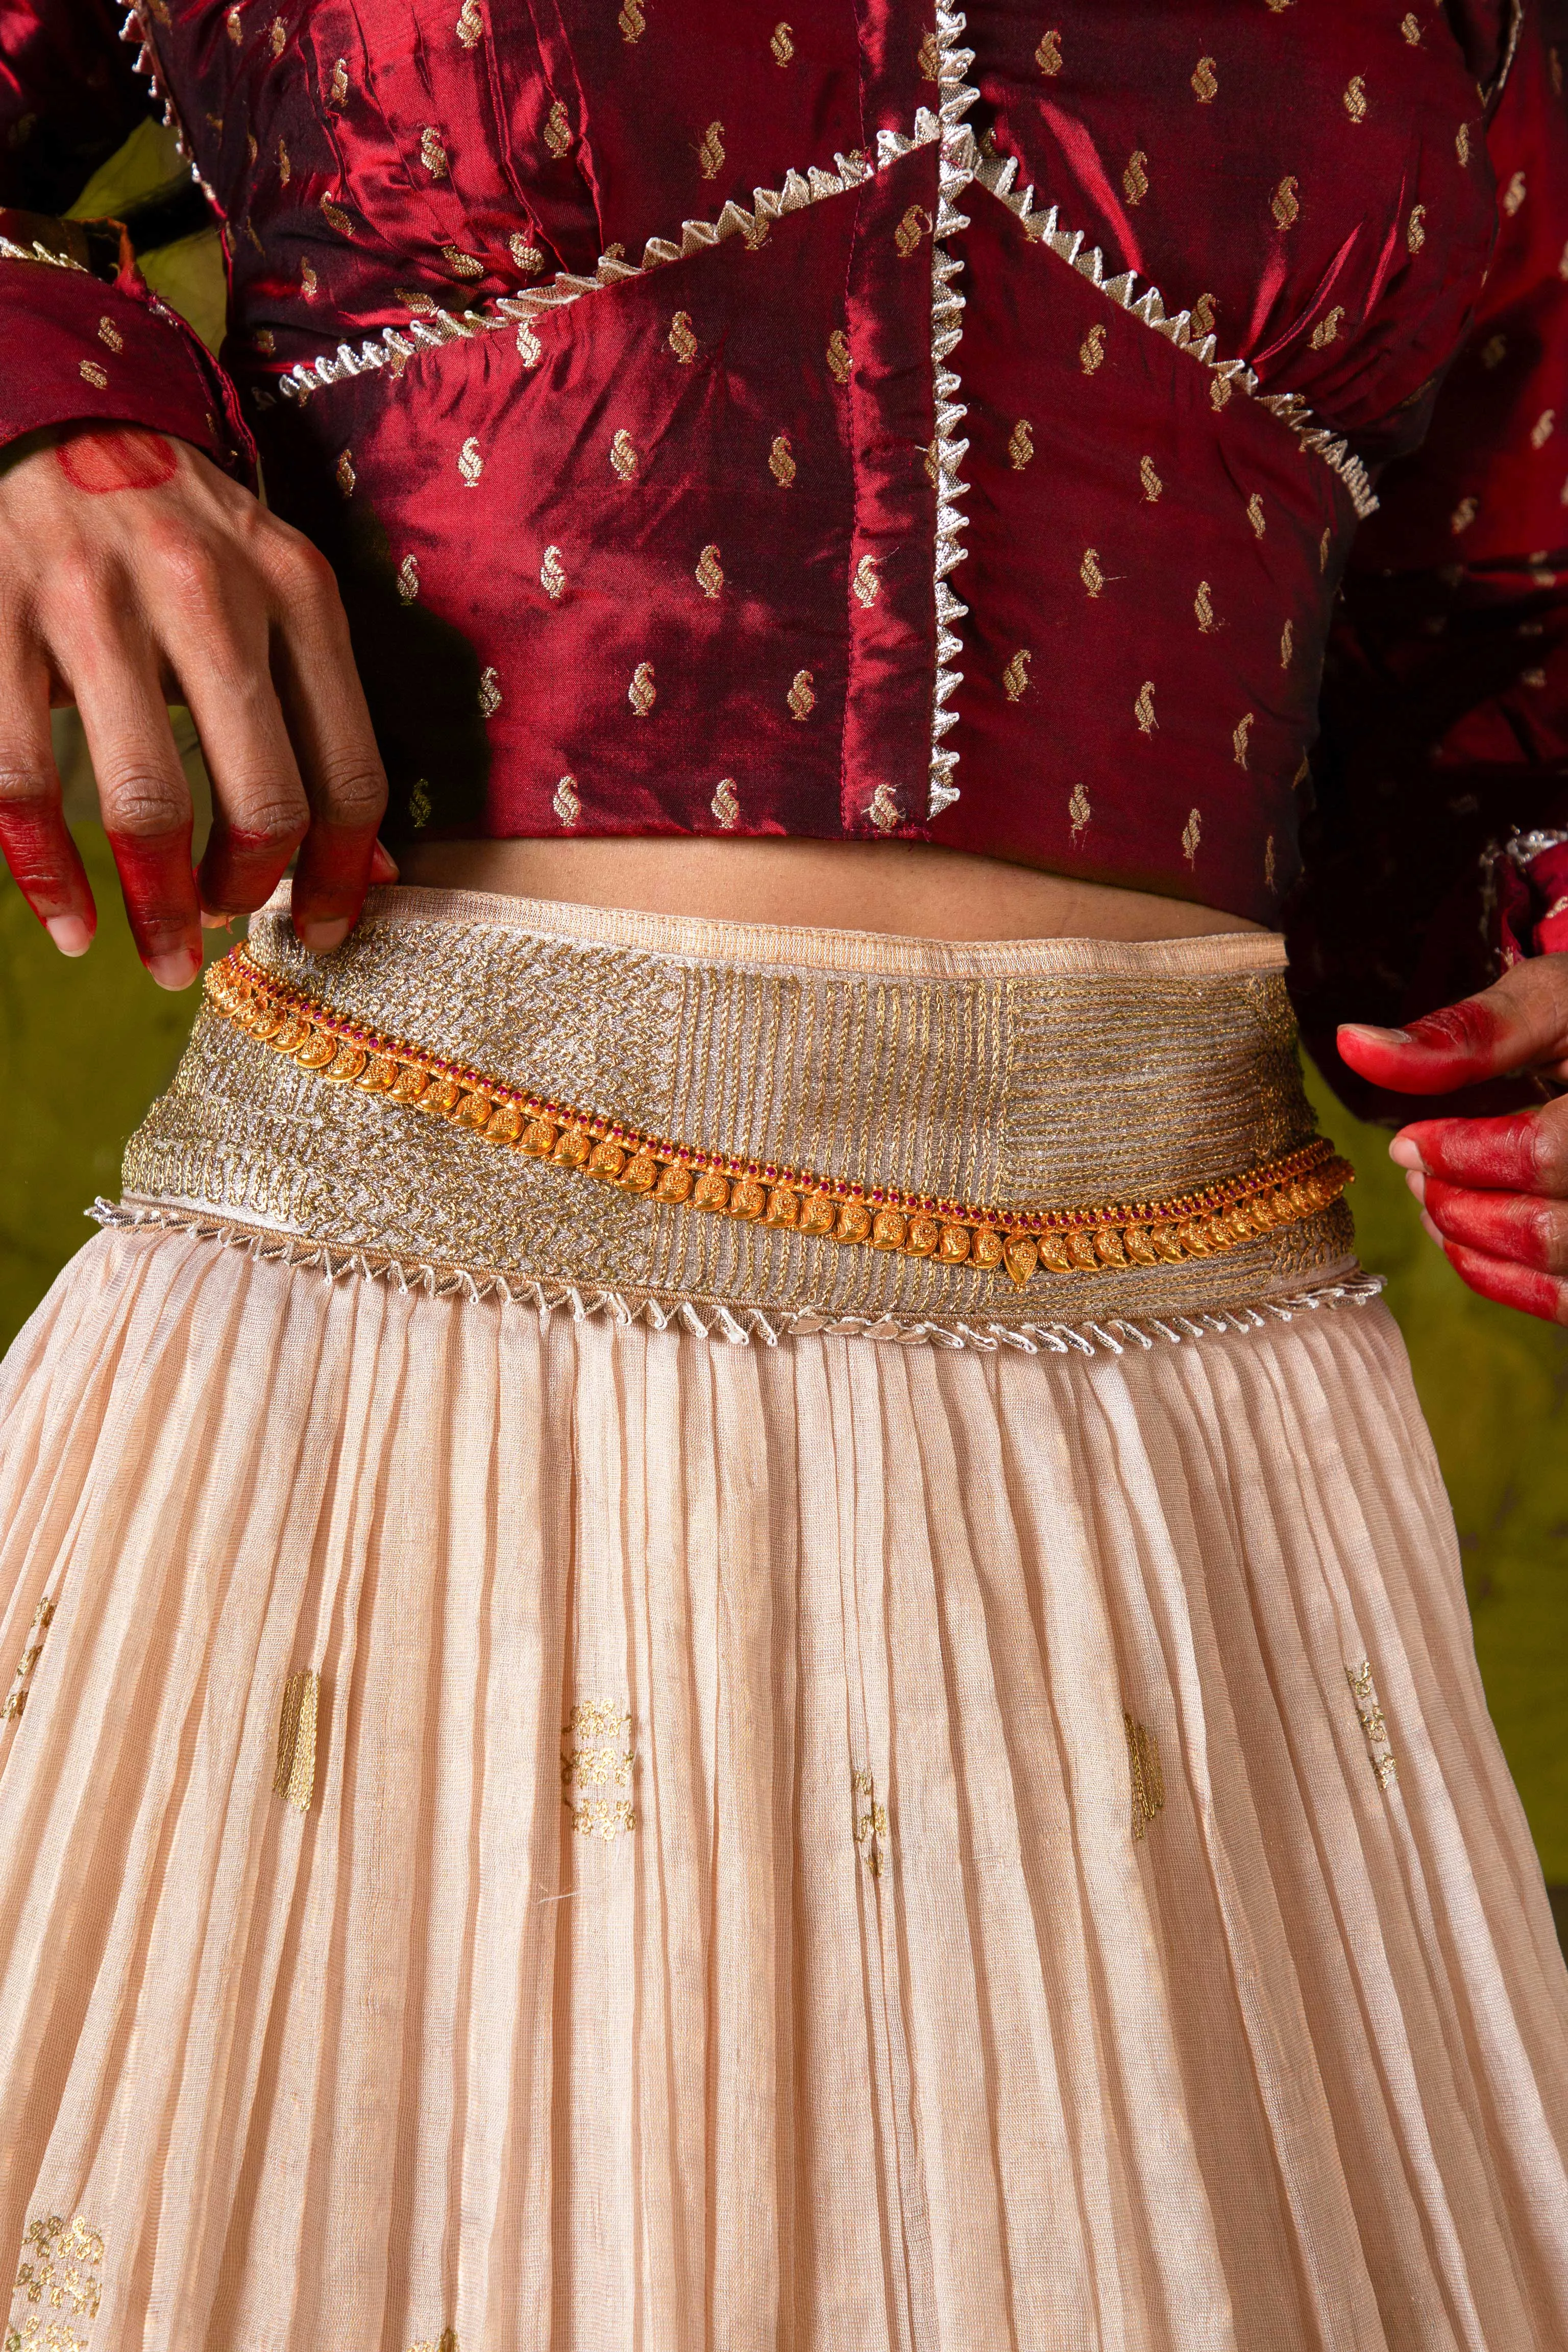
(1124, 1234)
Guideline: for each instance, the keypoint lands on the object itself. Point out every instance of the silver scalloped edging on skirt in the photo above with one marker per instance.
(739, 1327)
(1054, 1073)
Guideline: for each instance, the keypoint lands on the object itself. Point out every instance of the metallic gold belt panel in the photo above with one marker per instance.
(1220, 1216)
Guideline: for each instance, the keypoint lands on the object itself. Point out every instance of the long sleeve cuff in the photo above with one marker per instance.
(86, 341)
(1529, 892)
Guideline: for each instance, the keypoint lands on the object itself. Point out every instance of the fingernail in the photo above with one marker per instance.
(176, 969)
(1415, 1179)
(1405, 1154)
(69, 934)
(322, 938)
(211, 922)
(1379, 1036)
(382, 865)
(1430, 1230)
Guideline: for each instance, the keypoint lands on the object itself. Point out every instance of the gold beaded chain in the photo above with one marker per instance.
(1219, 1217)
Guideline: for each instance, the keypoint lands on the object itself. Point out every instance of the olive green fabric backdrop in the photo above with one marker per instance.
(83, 1046)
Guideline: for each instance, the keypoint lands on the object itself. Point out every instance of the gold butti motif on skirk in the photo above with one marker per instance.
(295, 1778)
(16, 1696)
(596, 1761)
(1147, 1776)
(1219, 1217)
(870, 1817)
(58, 2287)
(1380, 1753)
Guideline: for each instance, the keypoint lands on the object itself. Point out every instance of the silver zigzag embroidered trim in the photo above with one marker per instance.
(394, 347)
(962, 162)
(713, 1320)
(998, 174)
(946, 328)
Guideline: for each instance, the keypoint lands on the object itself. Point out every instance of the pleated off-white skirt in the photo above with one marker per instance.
(589, 1777)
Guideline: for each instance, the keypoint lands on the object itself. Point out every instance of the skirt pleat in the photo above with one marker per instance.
(862, 1847)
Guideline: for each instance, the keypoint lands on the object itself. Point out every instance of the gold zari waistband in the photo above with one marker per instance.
(487, 1098)
(1216, 1218)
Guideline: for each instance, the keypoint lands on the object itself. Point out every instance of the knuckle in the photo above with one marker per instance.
(191, 572)
(303, 573)
(1548, 1150)
(74, 585)
(354, 795)
(144, 802)
(274, 819)
(1545, 1224)
(24, 785)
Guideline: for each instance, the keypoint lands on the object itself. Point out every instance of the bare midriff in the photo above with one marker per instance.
(901, 887)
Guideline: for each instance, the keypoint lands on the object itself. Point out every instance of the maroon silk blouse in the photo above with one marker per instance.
(857, 422)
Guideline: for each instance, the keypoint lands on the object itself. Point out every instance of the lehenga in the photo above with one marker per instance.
(620, 1740)
(736, 1639)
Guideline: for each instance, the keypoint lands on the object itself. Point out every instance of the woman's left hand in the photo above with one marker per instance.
(1493, 1191)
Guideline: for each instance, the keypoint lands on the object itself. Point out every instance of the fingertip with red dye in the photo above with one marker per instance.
(1520, 1286)
(1453, 1047)
(161, 903)
(1493, 1155)
(1520, 1227)
(240, 870)
(46, 866)
(336, 869)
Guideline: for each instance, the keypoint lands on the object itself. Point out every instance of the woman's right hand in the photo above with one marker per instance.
(134, 575)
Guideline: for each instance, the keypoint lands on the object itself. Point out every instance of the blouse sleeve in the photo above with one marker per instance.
(83, 336)
(1437, 853)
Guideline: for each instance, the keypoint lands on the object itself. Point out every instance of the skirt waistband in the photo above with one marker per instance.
(1022, 1136)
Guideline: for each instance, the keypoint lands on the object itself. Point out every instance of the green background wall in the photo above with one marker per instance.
(84, 1045)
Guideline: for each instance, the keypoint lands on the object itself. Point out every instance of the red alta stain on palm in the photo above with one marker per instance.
(1499, 1153)
(1511, 1286)
(1452, 1048)
(121, 458)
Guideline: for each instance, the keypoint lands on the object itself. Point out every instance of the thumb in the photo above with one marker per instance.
(1519, 1024)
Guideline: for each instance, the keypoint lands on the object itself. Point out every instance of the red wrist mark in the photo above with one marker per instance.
(1499, 1154)
(1511, 1286)
(1443, 1050)
(117, 458)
